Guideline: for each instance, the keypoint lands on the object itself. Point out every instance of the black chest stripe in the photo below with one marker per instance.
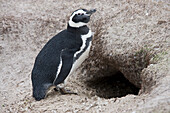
(84, 49)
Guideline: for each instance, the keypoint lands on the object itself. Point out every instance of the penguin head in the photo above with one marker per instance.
(80, 17)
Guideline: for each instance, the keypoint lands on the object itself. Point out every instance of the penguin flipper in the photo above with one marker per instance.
(67, 62)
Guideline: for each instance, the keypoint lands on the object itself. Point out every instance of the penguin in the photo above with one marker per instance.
(62, 54)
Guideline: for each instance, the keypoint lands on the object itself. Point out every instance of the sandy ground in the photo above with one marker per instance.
(25, 26)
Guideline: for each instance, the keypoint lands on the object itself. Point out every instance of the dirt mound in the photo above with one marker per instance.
(128, 66)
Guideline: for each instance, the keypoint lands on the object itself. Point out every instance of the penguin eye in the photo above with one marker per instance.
(78, 13)
(82, 14)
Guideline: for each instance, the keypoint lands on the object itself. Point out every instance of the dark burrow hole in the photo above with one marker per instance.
(113, 86)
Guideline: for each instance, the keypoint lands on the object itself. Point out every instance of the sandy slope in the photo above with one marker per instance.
(25, 26)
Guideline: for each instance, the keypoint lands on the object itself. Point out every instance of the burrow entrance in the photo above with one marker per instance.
(112, 86)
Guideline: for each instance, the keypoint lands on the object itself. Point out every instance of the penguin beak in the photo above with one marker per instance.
(90, 12)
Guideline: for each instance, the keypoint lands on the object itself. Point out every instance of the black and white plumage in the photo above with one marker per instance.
(62, 54)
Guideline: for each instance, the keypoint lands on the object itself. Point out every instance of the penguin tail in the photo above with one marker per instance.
(40, 92)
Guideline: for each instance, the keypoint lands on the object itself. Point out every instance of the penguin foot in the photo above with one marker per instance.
(56, 89)
(65, 91)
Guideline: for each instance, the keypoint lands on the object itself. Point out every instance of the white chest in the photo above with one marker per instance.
(85, 54)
